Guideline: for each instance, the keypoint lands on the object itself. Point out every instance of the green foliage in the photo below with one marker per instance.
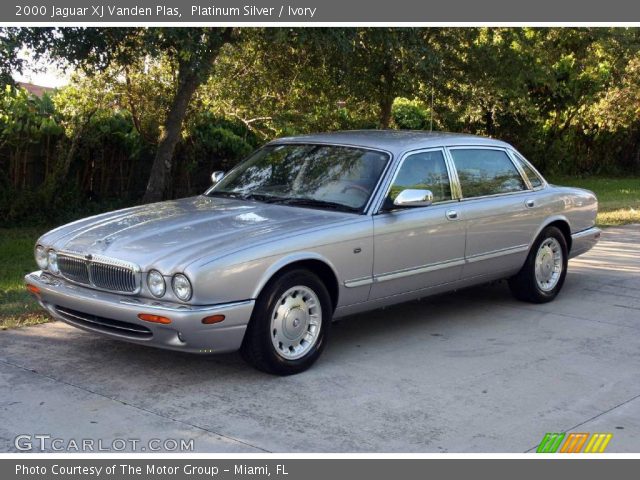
(17, 307)
(112, 154)
(566, 97)
(409, 114)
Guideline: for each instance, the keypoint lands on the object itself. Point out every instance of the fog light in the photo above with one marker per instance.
(180, 337)
(148, 317)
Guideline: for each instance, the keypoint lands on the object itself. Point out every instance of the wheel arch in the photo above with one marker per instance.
(313, 262)
(559, 222)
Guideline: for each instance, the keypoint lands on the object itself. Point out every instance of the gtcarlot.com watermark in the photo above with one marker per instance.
(44, 442)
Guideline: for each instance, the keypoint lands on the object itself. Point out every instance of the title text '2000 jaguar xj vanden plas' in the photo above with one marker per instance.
(309, 229)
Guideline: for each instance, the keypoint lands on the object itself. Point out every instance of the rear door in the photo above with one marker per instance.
(418, 247)
(499, 208)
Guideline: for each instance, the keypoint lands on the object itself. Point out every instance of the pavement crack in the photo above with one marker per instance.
(627, 306)
(593, 418)
(137, 407)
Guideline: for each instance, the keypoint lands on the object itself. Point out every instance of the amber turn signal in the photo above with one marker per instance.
(212, 319)
(147, 317)
(33, 289)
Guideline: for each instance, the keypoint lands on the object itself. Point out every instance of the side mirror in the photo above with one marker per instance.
(217, 176)
(414, 198)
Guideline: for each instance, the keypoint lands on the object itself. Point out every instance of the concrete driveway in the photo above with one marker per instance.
(474, 371)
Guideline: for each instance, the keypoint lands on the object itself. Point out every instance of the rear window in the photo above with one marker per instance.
(533, 177)
(486, 172)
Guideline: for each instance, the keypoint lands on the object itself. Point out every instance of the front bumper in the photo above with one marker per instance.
(584, 241)
(116, 316)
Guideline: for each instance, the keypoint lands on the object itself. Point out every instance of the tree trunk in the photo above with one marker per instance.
(169, 137)
(189, 79)
(387, 97)
(386, 106)
(58, 178)
(489, 122)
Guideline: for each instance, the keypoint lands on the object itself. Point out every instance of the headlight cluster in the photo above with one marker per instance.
(179, 283)
(42, 257)
(156, 284)
(52, 258)
(47, 259)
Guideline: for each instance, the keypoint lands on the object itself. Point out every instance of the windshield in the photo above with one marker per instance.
(320, 176)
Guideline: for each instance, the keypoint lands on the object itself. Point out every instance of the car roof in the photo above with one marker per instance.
(394, 141)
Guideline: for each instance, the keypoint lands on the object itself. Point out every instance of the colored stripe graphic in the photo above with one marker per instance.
(598, 443)
(574, 443)
(550, 443)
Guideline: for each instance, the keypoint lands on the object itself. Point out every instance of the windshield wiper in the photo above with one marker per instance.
(261, 197)
(249, 196)
(222, 193)
(295, 201)
(312, 202)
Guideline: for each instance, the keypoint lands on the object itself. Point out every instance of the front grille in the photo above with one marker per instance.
(113, 277)
(100, 272)
(75, 269)
(103, 324)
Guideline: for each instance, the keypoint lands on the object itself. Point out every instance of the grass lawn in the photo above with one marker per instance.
(619, 203)
(17, 306)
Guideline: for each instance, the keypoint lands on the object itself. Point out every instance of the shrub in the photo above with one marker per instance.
(409, 114)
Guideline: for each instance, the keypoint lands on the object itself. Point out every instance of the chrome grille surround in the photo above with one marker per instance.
(100, 272)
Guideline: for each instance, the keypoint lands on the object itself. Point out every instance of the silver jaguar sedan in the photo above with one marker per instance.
(309, 229)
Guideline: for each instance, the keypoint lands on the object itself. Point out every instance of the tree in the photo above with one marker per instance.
(192, 51)
(385, 63)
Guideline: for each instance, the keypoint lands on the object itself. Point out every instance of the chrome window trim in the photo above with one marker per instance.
(518, 166)
(521, 158)
(364, 210)
(387, 188)
(457, 193)
(488, 147)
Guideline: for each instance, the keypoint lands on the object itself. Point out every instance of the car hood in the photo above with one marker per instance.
(170, 235)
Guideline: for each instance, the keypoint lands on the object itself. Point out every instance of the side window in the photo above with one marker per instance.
(486, 172)
(424, 170)
(533, 177)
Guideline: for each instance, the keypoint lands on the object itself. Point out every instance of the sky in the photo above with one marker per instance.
(43, 73)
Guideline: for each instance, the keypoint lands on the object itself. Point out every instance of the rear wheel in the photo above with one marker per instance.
(290, 324)
(543, 274)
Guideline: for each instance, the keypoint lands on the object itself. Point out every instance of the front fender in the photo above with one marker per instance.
(287, 260)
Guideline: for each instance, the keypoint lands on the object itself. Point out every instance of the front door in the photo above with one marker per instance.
(418, 247)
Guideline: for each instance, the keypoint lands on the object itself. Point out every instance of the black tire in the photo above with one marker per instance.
(258, 348)
(524, 286)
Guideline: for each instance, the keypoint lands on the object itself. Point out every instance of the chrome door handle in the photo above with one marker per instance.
(530, 203)
(452, 214)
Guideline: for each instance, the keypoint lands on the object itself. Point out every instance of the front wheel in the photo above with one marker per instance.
(543, 274)
(290, 324)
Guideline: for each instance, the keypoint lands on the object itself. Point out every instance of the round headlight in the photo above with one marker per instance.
(52, 258)
(41, 257)
(155, 282)
(181, 287)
